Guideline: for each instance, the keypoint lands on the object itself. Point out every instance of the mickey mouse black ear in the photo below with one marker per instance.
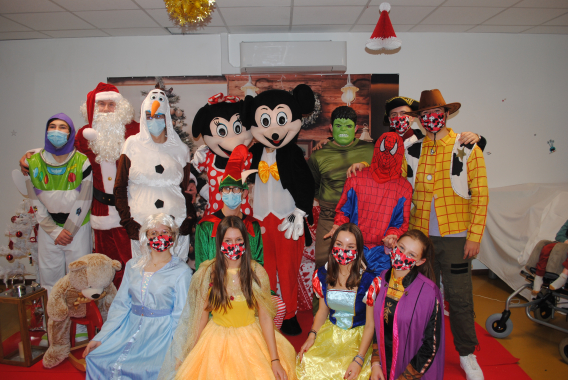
(305, 98)
(247, 116)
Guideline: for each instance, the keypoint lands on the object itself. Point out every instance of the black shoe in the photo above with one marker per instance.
(291, 327)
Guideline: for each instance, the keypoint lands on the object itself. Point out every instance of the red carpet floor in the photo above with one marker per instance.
(497, 363)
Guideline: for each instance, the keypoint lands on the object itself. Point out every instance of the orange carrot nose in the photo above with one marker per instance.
(155, 107)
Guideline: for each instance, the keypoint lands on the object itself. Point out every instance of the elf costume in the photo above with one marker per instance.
(61, 194)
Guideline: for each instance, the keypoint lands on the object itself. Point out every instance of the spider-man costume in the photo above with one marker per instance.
(378, 200)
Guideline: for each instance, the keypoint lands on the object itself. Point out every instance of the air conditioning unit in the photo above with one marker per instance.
(293, 57)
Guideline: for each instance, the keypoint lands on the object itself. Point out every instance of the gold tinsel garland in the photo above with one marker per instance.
(189, 11)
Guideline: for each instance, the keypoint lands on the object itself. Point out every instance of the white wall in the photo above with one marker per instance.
(42, 77)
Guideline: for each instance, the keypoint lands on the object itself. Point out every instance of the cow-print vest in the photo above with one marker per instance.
(458, 176)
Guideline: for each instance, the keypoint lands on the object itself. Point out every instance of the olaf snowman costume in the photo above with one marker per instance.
(151, 176)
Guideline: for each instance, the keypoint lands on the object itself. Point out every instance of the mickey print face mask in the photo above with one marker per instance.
(400, 124)
(233, 251)
(161, 243)
(344, 256)
(400, 261)
(433, 122)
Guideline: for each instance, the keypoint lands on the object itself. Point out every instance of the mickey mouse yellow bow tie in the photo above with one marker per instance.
(264, 171)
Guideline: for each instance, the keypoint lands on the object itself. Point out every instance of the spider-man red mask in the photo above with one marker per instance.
(400, 261)
(344, 256)
(400, 124)
(387, 158)
(433, 121)
(233, 251)
(161, 243)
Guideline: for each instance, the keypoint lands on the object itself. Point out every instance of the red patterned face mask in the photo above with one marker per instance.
(400, 261)
(433, 122)
(161, 243)
(400, 124)
(233, 251)
(344, 256)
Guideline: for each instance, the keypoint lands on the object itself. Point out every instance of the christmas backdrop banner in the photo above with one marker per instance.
(189, 93)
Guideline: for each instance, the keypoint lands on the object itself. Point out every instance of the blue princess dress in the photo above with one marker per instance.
(140, 323)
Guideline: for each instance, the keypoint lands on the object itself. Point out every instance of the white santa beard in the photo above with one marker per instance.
(110, 136)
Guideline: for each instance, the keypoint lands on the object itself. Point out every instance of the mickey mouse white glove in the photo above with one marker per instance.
(199, 156)
(293, 225)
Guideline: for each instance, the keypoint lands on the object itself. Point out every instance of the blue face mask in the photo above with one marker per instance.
(156, 126)
(57, 138)
(232, 200)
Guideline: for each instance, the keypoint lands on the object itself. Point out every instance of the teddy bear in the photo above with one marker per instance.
(89, 278)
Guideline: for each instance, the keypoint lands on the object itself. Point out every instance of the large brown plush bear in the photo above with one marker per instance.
(89, 278)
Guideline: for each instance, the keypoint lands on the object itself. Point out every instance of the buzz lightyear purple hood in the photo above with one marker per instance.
(69, 146)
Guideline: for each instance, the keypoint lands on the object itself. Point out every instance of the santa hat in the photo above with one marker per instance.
(104, 91)
(234, 175)
(383, 36)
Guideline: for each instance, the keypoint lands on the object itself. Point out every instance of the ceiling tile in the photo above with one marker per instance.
(137, 32)
(398, 15)
(258, 29)
(96, 5)
(524, 16)
(363, 28)
(326, 15)
(151, 4)
(562, 20)
(499, 29)
(208, 30)
(543, 29)
(543, 4)
(253, 3)
(22, 35)
(303, 3)
(50, 21)
(460, 15)
(441, 28)
(480, 3)
(247, 16)
(163, 18)
(320, 28)
(15, 6)
(11, 26)
(118, 19)
(76, 33)
(433, 3)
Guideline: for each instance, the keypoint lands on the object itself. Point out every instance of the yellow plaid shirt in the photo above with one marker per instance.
(455, 214)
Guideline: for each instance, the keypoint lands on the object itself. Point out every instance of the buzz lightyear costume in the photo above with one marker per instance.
(61, 194)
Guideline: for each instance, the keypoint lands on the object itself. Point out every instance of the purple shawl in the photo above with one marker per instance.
(411, 317)
(69, 146)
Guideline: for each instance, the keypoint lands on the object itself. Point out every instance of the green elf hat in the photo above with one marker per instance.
(235, 175)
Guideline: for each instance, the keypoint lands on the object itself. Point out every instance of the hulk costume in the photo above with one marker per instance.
(329, 168)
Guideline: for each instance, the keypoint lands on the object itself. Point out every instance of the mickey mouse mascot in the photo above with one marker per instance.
(284, 187)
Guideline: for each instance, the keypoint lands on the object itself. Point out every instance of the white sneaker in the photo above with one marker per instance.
(471, 368)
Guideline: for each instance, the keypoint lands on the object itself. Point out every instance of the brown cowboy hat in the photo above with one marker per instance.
(432, 99)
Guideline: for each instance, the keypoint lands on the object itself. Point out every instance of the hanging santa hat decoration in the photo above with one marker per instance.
(383, 36)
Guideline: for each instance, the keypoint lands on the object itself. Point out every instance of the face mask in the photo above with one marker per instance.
(400, 261)
(161, 243)
(232, 200)
(433, 122)
(233, 251)
(400, 124)
(156, 126)
(343, 131)
(344, 256)
(57, 138)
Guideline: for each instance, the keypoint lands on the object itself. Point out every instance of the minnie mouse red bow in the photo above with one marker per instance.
(220, 98)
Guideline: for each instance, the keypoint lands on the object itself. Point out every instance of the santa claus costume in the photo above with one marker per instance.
(151, 176)
(101, 140)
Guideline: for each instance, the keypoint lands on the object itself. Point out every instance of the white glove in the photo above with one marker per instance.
(293, 225)
(90, 134)
(199, 156)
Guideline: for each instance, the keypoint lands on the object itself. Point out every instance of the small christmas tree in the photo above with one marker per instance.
(22, 233)
(178, 115)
